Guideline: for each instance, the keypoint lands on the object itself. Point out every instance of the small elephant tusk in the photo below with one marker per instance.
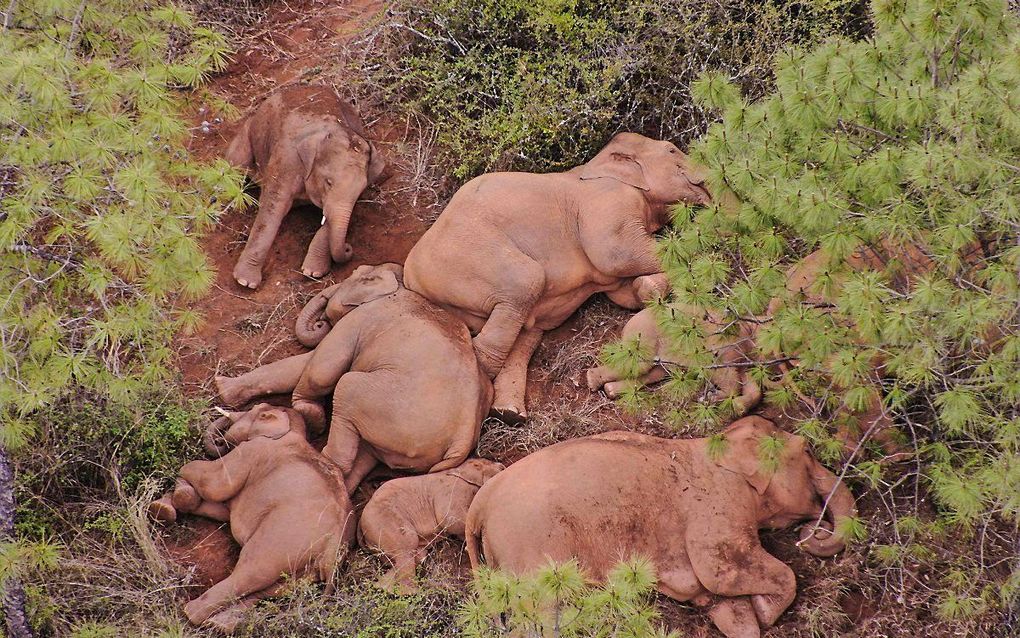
(221, 411)
(323, 222)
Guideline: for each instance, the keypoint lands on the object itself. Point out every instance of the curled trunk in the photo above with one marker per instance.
(312, 324)
(338, 218)
(213, 442)
(825, 540)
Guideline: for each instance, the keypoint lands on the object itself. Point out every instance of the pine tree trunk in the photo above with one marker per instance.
(11, 590)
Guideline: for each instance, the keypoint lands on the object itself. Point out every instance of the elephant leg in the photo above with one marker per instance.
(735, 618)
(523, 281)
(279, 377)
(253, 573)
(364, 462)
(512, 380)
(750, 396)
(343, 444)
(213, 510)
(390, 534)
(274, 204)
(318, 259)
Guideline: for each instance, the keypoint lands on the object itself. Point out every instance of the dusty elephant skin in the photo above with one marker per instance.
(730, 351)
(407, 390)
(515, 254)
(285, 503)
(406, 515)
(589, 499)
(303, 144)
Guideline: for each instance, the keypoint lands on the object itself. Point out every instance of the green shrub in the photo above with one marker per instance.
(557, 601)
(526, 85)
(904, 142)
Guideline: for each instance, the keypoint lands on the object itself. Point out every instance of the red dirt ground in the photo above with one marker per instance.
(297, 41)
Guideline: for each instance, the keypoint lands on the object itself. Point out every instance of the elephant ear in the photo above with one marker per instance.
(379, 283)
(307, 149)
(376, 164)
(467, 477)
(742, 453)
(621, 166)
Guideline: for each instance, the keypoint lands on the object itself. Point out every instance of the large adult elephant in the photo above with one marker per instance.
(515, 254)
(694, 513)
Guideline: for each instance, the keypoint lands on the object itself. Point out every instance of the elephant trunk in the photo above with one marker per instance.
(312, 324)
(338, 217)
(825, 539)
(213, 442)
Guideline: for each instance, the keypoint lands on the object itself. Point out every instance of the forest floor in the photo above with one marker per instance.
(315, 41)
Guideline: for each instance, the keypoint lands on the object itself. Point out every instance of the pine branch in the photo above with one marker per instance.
(11, 590)
(72, 37)
(9, 14)
(736, 364)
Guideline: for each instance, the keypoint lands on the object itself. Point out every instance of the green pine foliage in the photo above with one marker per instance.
(540, 85)
(905, 143)
(102, 207)
(557, 601)
(102, 203)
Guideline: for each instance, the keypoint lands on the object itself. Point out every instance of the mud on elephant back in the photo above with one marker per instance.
(589, 499)
(304, 144)
(515, 254)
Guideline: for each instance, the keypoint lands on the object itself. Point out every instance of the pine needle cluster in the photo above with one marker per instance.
(902, 146)
(557, 601)
(101, 207)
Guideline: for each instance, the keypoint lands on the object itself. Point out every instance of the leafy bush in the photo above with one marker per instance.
(525, 85)
(556, 601)
(102, 207)
(902, 146)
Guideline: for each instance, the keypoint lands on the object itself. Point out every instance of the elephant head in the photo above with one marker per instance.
(664, 173)
(793, 488)
(365, 284)
(339, 163)
(477, 471)
(263, 420)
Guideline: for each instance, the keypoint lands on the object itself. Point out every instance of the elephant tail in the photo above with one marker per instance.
(474, 540)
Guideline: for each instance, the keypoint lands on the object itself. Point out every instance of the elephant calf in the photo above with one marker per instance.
(407, 389)
(695, 514)
(286, 506)
(405, 515)
(730, 378)
(304, 144)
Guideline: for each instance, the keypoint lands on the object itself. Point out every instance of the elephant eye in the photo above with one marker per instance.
(329, 181)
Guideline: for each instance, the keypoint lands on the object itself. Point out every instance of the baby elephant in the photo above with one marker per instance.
(693, 509)
(304, 144)
(730, 353)
(286, 506)
(407, 389)
(405, 515)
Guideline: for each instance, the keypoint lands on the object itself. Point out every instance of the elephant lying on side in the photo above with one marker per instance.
(728, 350)
(406, 515)
(303, 144)
(515, 254)
(605, 498)
(406, 386)
(286, 506)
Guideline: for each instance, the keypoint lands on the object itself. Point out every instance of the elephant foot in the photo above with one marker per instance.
(247, 275)
(509, 413)
(735, 618)
(395, 582)
(615, 389)
(185, 497)
(226, 621)
(594, 379)
(313, 413)
(319, 264)
(229, 390)
(163, 509)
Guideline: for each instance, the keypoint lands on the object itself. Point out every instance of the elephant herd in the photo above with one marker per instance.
(416, 355)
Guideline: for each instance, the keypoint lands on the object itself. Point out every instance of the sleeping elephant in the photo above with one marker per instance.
(731, 350)
(515, 254)
(285, 505)
(696, 515)
(304, 144)
(407, 390)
